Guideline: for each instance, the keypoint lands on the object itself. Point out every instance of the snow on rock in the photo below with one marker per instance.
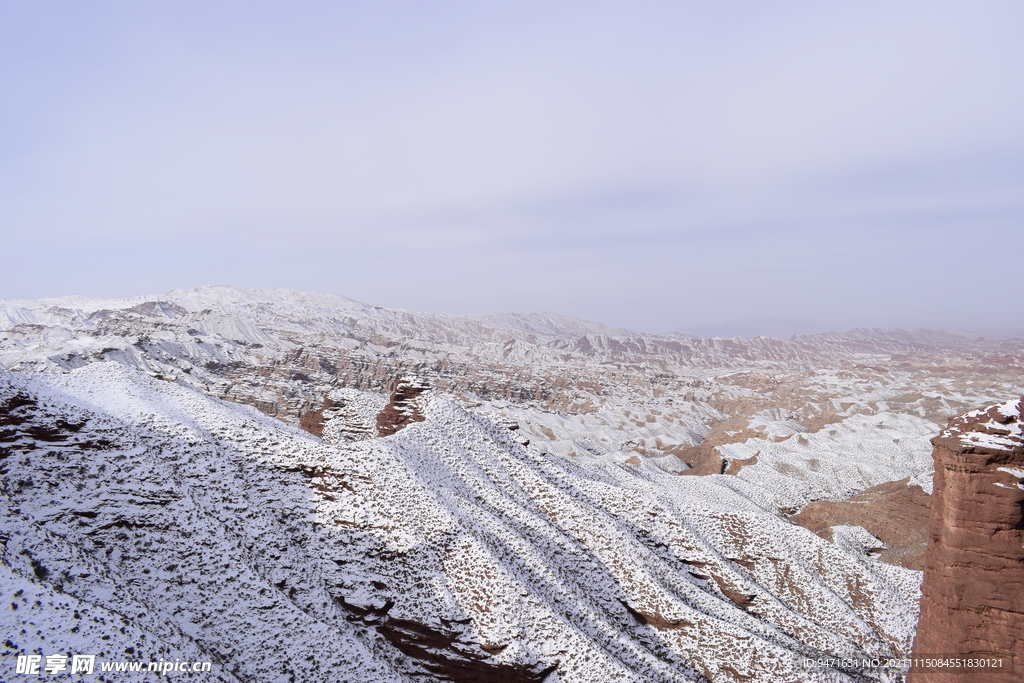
(247, 466)
(208, 531)
(858, 453)
(973, 590)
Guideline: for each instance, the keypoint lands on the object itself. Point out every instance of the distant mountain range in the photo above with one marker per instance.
(786, 328)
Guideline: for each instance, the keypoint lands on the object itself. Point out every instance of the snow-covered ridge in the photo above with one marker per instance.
(180, 526)
(529, 505)
(285, 304)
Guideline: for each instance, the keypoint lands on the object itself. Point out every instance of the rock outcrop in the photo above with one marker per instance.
(313, 421)
(401, 410)
(895, 512)
(973, 593)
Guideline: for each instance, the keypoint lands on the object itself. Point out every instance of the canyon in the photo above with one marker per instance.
(508, 497)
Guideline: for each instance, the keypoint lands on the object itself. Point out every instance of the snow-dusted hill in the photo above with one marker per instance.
(524, 518)
(142, 517)
(569, 383)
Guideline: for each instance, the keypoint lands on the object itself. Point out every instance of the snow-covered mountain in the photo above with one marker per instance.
(384, 495)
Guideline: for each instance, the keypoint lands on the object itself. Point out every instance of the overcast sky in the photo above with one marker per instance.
(654, 165)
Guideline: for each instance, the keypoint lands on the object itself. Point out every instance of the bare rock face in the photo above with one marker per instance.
(973, 593)
(894, 512)
(401, 410)
(313, 421)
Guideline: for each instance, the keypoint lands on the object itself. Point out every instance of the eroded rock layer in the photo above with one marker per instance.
(401, 410)
(895, 513)
(973, 593)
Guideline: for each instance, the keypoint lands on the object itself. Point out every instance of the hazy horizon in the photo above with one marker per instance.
(654, 166)
(768, 326)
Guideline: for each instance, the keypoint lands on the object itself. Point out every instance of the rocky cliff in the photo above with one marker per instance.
(973, 593)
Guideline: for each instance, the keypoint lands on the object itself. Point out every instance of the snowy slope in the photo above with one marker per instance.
(209, 530)
(527, 521)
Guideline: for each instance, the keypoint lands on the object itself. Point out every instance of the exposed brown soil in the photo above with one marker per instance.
(893, 512)
(743, 600)
(736, 464)
(705, 458)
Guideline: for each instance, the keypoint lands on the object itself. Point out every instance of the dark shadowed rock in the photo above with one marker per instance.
(452, 659)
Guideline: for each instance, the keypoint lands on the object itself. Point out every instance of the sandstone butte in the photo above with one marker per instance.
(973, 592)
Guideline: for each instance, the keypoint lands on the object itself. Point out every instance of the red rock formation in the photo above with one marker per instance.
(894, 512)
(400, 410)
(313, 421)
(973, 593)
(705, 458)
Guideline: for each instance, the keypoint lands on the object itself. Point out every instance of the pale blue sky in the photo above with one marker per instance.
(652, 165)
